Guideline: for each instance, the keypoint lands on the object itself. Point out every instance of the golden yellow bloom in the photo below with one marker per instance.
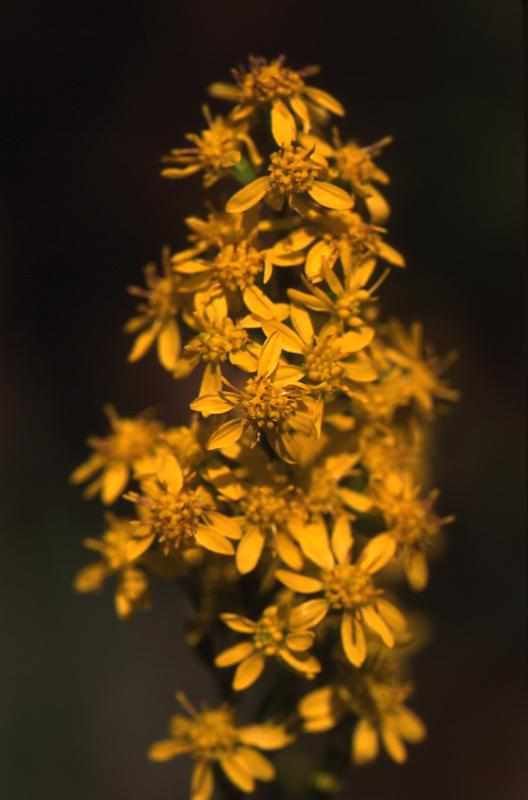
(216, 150)
(284, 90)
(164, 297)
(345, 300)
(235, 267)
(348, 587)
(218, 340)
(212, 736)
(418, 373)
(294, 171)
(273, 402)
(280, 632)
(179, 515)
(410, 520)
(332, 362)
(354, 164)
(117, 454)
(119, 548)
(379, 707)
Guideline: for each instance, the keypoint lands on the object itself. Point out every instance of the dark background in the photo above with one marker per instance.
(93, 96)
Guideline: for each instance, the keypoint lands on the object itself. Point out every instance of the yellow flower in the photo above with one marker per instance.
(284, 90)
(215, 151)
(115, 455)
(119, 548)
(273, 402)
(164, 297)
(348, 587)
(280, 632)
(411, 522)
(346, 300)
(332, 362)
(235, 267)
(420, 373)
(326, 490)
(378, 704)
(217, 230)
(218, 340)
(355, 165)
(212, 736)
(294, 171)
(179, 516)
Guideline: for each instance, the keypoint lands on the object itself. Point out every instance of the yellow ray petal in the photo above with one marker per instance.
(270, 355)
(265, 737)
(211, 380)
(219, 403)
(237, 774)
(416, 570)
(170, 472)
(315, 544)
(238, 623)
(248, 196)
(90, 578)
(377, 553)
(235, 654)
(166, 749)
(248, 672)
(249, 550)
(114, 480)
(144, 341)
(256, 764)
(355, 500)
(342, 539)
(169, 344)
(353, 639)
(365, 743)
(330, 196)
(352, 341)
(377, 624)
(202, 781)
(393, 744)
(299, 583)
(309, 614)
(410, 725)
(207, 537)
(227, 526)
(317, 703)
(283, 125)
(392, 615)
(288, 551)
(299, 642)
(228, 433)
(325, 100)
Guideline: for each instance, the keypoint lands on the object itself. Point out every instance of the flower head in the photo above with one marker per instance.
(348, 587)
(115, 455)
(212, 737)
(284, 90)
(215, 151)
(280, 632)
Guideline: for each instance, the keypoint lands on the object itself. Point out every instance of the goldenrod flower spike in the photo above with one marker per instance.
(299, 497)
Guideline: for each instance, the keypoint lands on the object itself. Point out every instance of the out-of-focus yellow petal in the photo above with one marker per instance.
(315, 544)
(365, 742)
(144, 341)
(378, 208)
(228, 433)
(393, 743)
(298, 106)
(248, 196)
(114, 479)
(355, 500)
(283, 125)
(236, 773)
(299, 642)
(392, 615)
(299, 583)
(410, 725)
(249, 550)
(342, 539)
(325, 100)
(224, 91)
(265, 737)
(169, 344)
(378, 625)
(90, 578)
(170, 472)
(330, 196)
(377, 553)
(391, 255)
(166, 749)
(235, 654)
(353, 639)
(352, 341)
(256, 764)
(238, 623)
(302, 662)
(317, 703)
(416, 569)
(361, 372)
(227, 526)
(248, 672)
(202, 781)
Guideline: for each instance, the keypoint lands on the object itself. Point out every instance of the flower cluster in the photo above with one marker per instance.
(296, 501)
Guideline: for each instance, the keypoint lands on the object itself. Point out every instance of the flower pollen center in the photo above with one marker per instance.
(348, 586)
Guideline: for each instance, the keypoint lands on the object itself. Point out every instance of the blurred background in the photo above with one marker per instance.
(93, 95)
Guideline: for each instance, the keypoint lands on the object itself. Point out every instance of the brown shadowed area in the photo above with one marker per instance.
(93, 95)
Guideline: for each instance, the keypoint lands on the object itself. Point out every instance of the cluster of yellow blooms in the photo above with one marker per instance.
(293, 502)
